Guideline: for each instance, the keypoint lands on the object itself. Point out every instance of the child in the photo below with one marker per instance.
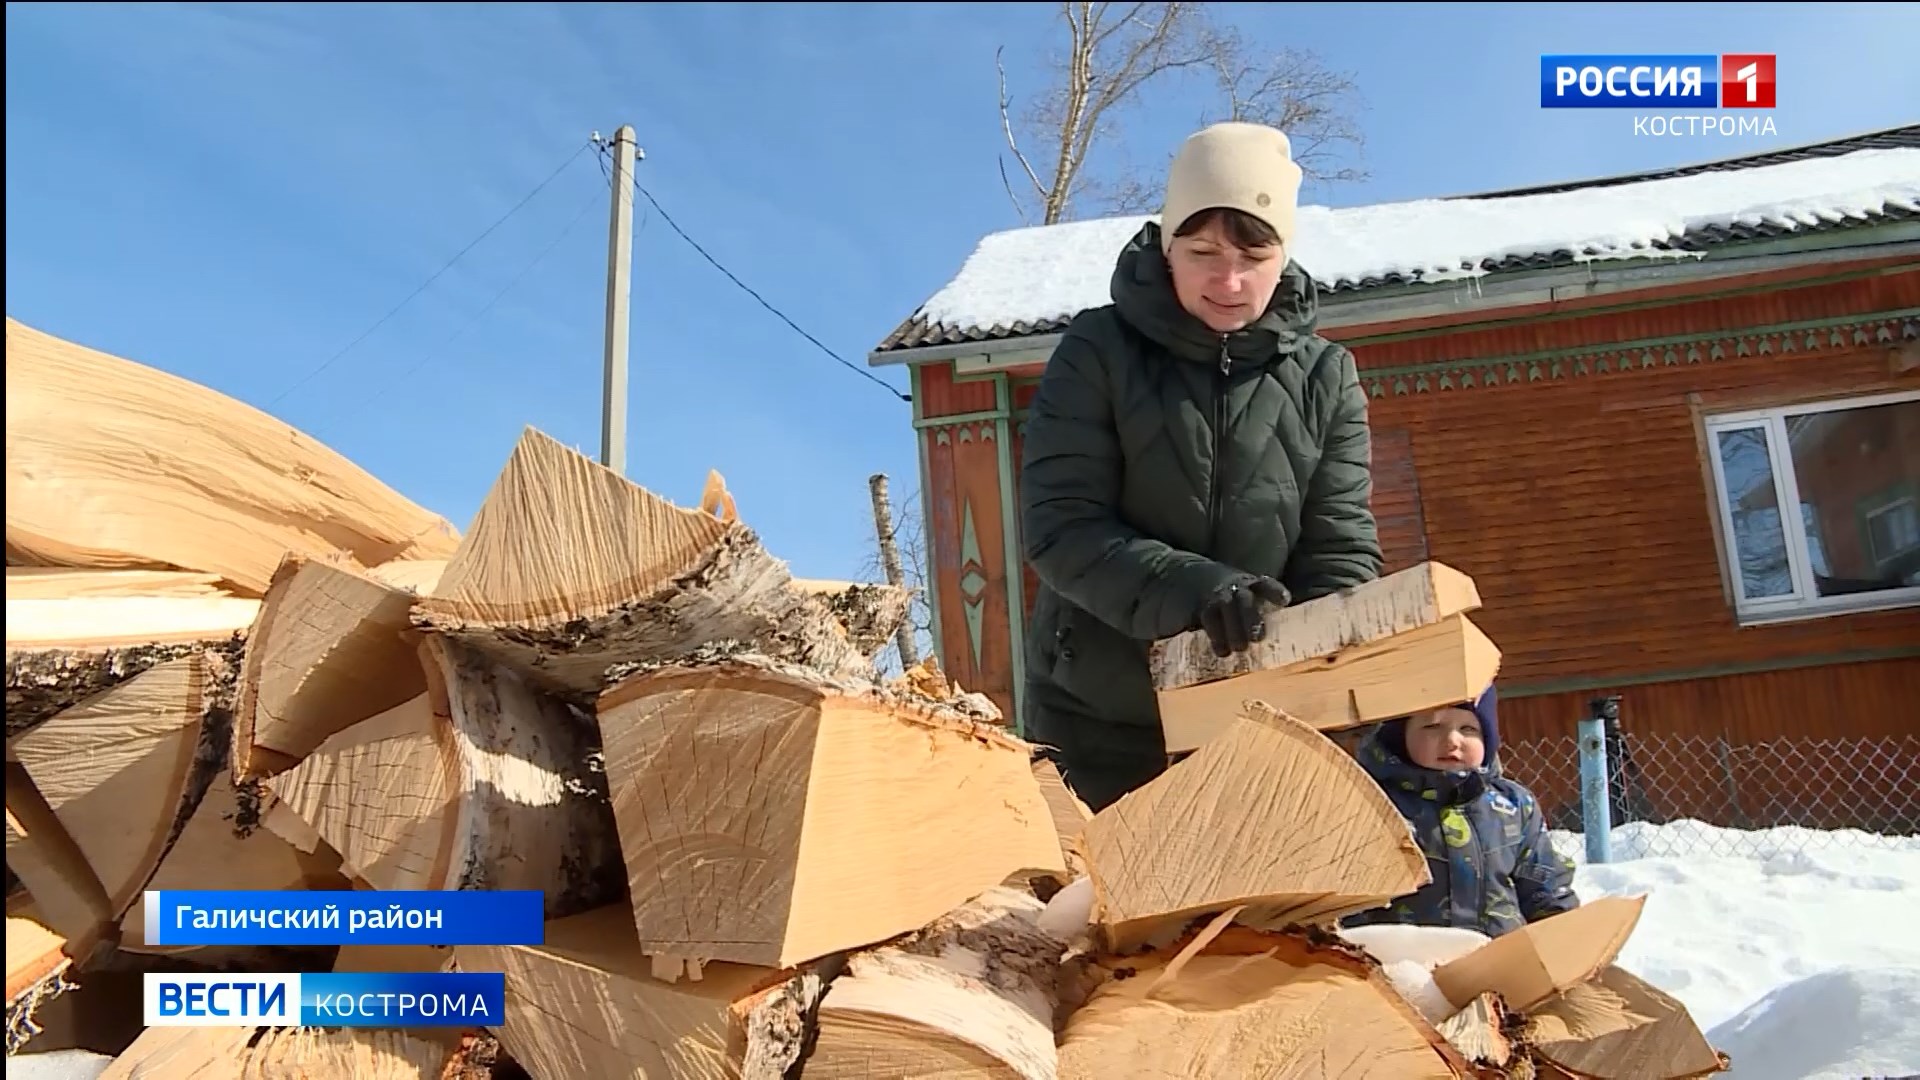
(1493, 868)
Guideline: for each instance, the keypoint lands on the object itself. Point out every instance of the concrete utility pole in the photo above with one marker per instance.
(613, 403)
(890, 562)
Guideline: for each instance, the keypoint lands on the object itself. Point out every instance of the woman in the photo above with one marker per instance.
(1195, 453)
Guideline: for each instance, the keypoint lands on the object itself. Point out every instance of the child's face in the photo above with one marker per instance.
(1446, 739)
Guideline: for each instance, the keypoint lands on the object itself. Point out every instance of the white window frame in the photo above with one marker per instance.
(1906, 502)
(1803, 601)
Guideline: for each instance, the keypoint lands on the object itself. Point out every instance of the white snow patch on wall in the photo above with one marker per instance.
(1035, 275)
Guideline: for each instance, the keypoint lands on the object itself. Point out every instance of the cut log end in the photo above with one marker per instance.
(744, 792)
(1330, 841)
(1251, 1002)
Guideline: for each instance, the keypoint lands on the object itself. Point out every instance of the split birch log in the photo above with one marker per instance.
(1479, 1032)
(871, 614)
(715, 499)
(971, 995)
(1250, 1003)
(183, 1053)
(1444, 664)
(216, 850)
(771, 815)
(62, 583)
(123, 770)
(483, 782)
(37, 965)
(781, 1021)
(379, 794)
(62, 650)
(1619, 1027)
(56, 873)
(570, 569)
(34, 953)
(585, 1004)
(330, 648)
(1387, 648)
(1543, 958)
(360, 1053)
(422, 958)
(417, 576)
(251, 1053)
(1069, 814)
(926, 680)
(1416, 597)
(114, 464)
(1271, 815)
(106, 622)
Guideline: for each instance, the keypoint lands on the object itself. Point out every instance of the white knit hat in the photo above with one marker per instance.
(1244, 166)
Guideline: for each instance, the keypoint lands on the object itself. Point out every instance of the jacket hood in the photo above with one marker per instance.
(1143, 295)
(1383, 755)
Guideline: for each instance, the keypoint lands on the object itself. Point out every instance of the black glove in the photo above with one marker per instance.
(1232, 616)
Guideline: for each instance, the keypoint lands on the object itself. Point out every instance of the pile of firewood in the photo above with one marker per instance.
(235, 660)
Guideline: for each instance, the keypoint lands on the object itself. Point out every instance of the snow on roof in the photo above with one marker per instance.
(1024, 279)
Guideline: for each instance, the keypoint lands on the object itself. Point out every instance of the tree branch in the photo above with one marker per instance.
(1006, 126)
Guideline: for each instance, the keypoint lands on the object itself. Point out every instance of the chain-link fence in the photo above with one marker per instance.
(1677, 795)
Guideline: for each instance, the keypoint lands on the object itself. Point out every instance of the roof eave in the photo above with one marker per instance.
(1497, 290)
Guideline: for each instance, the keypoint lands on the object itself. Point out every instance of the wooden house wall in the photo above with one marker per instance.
(1557, 460)
(1572, 486)
(1824, 746)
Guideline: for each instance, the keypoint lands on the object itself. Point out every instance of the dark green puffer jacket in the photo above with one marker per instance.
(1162, 461)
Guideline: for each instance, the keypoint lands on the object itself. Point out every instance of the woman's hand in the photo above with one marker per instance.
(1233, 616)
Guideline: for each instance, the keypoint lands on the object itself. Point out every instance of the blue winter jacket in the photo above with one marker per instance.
(1493, 868)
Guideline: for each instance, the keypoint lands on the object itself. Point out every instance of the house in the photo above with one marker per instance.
(1595, 398)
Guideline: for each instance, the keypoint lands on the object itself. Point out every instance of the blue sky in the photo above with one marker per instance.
(234, 193)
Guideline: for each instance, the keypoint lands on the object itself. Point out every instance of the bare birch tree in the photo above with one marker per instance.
(910, 543)
(1113, 53)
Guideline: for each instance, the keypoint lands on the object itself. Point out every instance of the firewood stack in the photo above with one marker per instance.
(235, 660)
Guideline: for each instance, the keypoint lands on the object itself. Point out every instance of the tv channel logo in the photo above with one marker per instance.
(1703, 81)
(194, 1000)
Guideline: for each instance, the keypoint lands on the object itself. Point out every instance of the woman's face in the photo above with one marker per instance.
(1224, 286)
(1448, 740)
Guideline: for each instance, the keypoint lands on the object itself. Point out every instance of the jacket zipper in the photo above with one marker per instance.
(1219, 444)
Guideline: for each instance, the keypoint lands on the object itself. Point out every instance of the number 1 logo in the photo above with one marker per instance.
(1747, 81)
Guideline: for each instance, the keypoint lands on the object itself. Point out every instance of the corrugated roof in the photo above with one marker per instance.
(1032, 281)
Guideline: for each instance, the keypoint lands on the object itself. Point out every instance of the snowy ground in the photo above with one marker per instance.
(1799, 956)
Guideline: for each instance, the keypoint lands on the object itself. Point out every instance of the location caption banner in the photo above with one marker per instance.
(414, 917)
(325, 999)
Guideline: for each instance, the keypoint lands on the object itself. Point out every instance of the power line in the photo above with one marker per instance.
(592, 201)
(749, 290)
(382, 321)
